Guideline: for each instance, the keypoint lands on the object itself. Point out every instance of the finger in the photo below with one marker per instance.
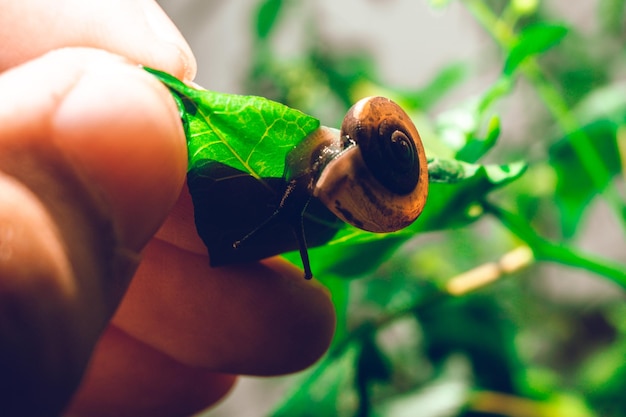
(179, 228)
(129, 378)
(261, 318)
(136, 29)
(92, 156)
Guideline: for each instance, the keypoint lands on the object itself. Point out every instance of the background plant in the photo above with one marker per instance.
(466, 315)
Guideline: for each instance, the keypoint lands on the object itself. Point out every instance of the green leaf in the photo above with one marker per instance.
(459, 203)
(476, 148)
(248, 133)
(575, 187)
(461, 129)
(267, 16)
(439, 4)
(444, 396)
(450, 171)
(441, 84)
(533, 40)
(611, 15)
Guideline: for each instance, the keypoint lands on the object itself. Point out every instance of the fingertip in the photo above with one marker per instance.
(129, 378)
(138, 30)
(310, 329)
(120, 128)
(255, 319)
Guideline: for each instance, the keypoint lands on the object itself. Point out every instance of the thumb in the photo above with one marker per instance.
(92, 157)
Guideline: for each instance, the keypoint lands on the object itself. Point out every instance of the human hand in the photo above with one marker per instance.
(92, 163)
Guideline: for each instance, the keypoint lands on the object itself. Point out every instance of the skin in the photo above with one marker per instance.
(108, 306)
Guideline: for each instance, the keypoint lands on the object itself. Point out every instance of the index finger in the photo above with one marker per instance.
(136, 29)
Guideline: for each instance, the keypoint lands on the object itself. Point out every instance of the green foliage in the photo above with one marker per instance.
(459, 315)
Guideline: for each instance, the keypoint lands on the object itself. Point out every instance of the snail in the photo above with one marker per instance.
(372, 174)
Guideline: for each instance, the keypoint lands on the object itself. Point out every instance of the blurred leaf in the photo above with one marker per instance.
(476, 148)
(525, 7)
(475, 327)
(444, 396)
(340, 294)
(533, 40)
(612, 14)
(603, 379)
(575, 188)
(451, 171)
(603, 103)
(460, 128)
(267, 16)
(343, 71)
(371, 364)
(501, 88)
(328, 391)
(439, 3)
(443, 82)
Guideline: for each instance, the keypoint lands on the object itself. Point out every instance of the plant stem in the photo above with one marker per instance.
(544, 250)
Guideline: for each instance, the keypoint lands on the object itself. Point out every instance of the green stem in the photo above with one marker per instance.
(581, 142)
(592, 162)
(545, 250)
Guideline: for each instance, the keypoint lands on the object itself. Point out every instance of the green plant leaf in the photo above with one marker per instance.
(611, 15)
(266, 18)
(575, 188)
(446, 80)
(533, 40)
(476, 148)
(445, 396)
(248, 133)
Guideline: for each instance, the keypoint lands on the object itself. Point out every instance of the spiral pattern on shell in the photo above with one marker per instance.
(379, 181)
(387, 139)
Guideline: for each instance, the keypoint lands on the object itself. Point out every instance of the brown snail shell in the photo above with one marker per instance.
(379, 182)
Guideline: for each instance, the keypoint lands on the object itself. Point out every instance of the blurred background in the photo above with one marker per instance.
(547, 79)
